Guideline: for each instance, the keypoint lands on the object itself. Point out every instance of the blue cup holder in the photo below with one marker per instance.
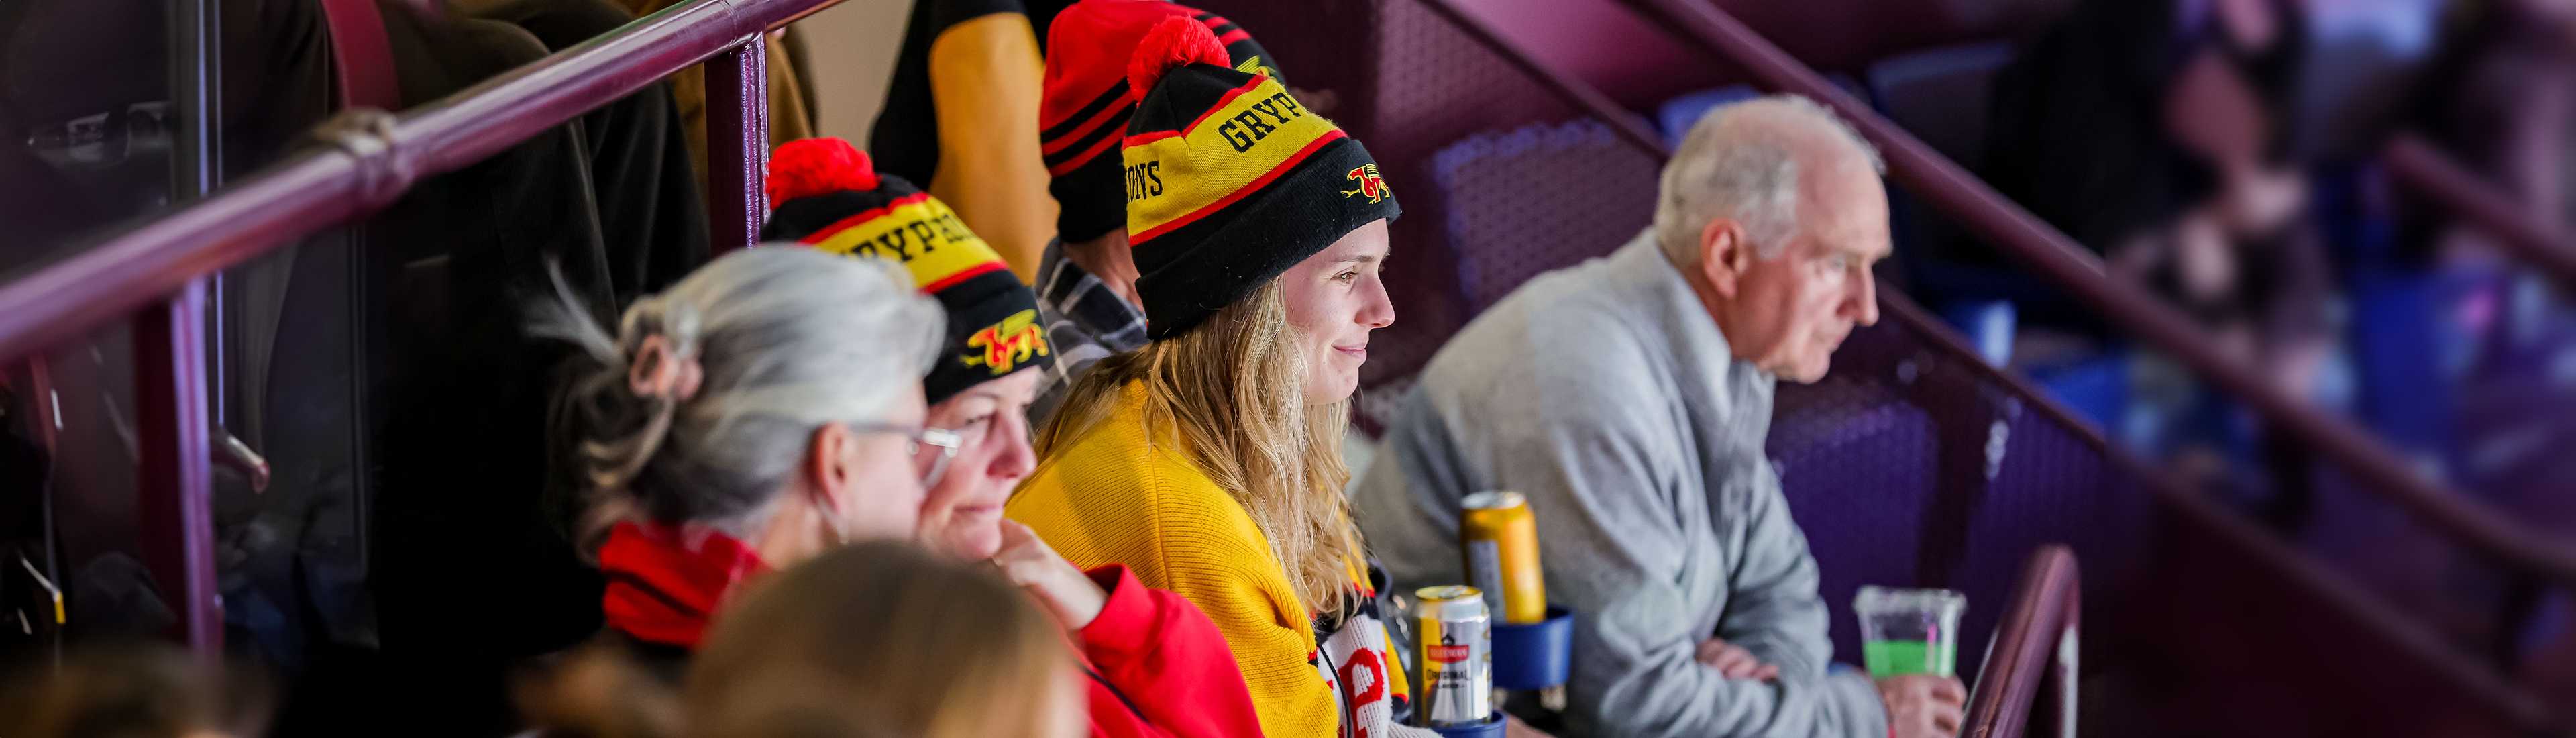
(1492, 727)
(1534, 656)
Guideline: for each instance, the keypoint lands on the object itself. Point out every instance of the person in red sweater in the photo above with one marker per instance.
(1156, 665)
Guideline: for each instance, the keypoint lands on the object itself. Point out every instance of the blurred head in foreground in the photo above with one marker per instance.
(885, 639)
(135, 690)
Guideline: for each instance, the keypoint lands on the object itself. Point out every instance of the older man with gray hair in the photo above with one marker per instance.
(1627, 398)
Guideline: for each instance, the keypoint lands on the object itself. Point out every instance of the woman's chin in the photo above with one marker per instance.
(1334, 390)
(973, 537)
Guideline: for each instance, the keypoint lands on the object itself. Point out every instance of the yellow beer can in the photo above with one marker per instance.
(1499, 539)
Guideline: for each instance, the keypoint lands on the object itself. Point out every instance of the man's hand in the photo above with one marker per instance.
(1922, 705)
(1733, 662)
(1064, 590)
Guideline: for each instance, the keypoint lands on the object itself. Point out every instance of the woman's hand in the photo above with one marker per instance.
(1064, 590)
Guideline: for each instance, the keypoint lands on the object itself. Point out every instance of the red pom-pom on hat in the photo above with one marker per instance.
(817, 166)
(1176, 41)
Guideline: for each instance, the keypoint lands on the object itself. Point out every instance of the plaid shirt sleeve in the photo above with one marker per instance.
(1085, 322)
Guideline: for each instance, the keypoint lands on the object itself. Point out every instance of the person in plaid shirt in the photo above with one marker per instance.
(1086, 281)
(1087, 318)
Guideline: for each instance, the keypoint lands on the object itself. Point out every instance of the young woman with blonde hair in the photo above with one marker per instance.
(1208, 461)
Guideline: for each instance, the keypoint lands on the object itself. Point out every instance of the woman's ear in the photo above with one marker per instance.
(827, 464)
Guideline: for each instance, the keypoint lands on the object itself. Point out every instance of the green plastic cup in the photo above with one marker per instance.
(1909, 631)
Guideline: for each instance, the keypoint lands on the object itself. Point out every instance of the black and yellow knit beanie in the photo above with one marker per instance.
(1230, 181)
(825, 193)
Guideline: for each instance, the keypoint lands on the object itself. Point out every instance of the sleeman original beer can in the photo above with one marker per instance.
(1500, 541)
(1457, 656)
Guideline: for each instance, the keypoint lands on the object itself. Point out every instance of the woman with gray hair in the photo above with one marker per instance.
(760, 412)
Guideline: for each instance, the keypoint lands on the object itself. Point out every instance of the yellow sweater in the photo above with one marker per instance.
(1108, 497)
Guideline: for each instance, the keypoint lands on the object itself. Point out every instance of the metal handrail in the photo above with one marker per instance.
(371, 157)
(2370, 463)
(2542, 242)
(2035, 646)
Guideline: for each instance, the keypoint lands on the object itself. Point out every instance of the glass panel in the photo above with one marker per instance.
(87, 121)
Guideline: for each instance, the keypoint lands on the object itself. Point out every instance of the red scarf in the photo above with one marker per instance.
(664, 582)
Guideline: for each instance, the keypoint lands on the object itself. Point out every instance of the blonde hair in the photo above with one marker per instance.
(878, 638)
(1232, 392)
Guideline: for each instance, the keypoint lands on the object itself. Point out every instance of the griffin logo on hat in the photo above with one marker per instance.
(1006, 344)
(825, 194)
(1370, 184)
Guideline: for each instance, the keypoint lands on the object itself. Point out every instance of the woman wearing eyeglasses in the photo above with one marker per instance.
(760, 412)
(1157, 665)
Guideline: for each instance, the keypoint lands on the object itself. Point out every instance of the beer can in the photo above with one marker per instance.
(1499, 538)
(1457, 656)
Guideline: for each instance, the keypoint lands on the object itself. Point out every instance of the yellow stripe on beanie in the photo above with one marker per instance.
(918, 231)
(1173, 177)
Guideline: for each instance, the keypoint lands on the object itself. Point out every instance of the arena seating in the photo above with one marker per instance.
(1915, 462)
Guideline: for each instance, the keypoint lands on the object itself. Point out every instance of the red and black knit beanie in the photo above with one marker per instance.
(1230, 181)
(1087, 101)
(824, 193)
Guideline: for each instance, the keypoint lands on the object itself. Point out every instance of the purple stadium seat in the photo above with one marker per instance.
(1857, 463)
(1505, 194)
(1910, 464)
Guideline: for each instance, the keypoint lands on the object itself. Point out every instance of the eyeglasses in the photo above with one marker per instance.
(940, 443)
(947, 443)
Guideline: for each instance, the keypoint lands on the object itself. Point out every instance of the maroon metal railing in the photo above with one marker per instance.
(155, 275)
(2034, 648)
(2529, 237)
(174, 507)
(1945, 186)
(737, 143)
